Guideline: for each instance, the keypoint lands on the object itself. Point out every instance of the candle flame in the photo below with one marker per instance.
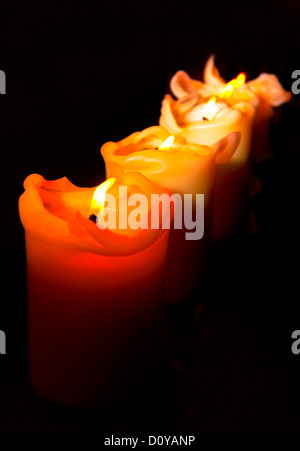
(98, 201)
(210, 109)
(167, 144)
(233, 84)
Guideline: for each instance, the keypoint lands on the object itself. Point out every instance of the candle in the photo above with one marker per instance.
(183, 168)
(205, 123)
(263, 94)
(94, 293)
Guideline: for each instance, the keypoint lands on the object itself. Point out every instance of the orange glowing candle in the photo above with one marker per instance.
(185, 169)
(94, 295)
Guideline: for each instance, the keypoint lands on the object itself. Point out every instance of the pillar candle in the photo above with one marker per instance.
(263, 93)
(94, 296)
(182, 168)
(207, 123)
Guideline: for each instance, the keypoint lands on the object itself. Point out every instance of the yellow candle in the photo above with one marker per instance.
(94, 296)
(183, 168)
(207, 123)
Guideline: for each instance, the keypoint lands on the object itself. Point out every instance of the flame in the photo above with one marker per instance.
(167, 144)
(210, 109)
(98, 201)
(233, 84)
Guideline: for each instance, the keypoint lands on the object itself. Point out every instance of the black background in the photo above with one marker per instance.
(81, 75)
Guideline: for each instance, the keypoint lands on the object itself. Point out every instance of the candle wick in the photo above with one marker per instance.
(93, 218)
(205, 119)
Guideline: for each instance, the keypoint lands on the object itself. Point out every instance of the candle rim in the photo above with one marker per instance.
(37, 220)
(264, 88)
(134, 140)
(169, 117)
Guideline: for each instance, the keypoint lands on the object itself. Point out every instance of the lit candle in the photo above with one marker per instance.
(263, 94)
(94, 294)
(205, 123)
(183, 168)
